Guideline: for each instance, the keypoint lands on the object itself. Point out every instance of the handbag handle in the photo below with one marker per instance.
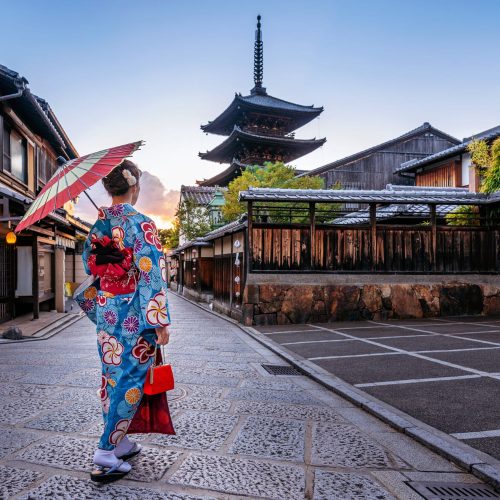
(153, 364)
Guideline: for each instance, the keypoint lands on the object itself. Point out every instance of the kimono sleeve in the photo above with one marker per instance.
(87, 298)
(152, 283)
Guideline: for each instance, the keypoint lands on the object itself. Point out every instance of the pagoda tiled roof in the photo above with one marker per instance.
(225, 152)
(226, 176)
(412, 165)
(261, 103)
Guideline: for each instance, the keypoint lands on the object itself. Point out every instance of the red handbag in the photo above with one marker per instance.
(160, 377)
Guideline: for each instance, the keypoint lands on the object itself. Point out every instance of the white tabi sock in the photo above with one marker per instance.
(107, 458)
(124, 446)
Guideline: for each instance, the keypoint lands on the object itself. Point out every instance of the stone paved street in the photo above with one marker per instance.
(240, 430)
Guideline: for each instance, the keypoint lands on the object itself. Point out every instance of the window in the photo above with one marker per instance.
(14, 153)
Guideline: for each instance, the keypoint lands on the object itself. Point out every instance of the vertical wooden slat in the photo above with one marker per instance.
(249, 246)
(433, 221)
(312, 231)
(373, 234)
(36, 284)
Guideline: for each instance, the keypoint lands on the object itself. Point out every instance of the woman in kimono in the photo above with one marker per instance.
(128, 303)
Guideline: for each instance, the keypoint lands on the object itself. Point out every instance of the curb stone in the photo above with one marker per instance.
(476, 462)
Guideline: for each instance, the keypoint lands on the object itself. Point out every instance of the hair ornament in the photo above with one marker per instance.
(131, 180)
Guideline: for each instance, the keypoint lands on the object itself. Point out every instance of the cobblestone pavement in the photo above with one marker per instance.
(241, 432)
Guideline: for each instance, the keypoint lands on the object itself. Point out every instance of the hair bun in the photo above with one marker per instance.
(129, 177)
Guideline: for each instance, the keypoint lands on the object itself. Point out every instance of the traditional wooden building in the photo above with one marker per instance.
(206, 202)
(33, 266)
(259, 128)
(374, 168)
(451, 167)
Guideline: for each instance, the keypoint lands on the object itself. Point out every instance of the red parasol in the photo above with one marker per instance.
(73, 178)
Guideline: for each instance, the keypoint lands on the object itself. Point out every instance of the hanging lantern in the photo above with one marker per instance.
(11, 238)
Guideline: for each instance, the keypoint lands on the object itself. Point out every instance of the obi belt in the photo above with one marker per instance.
(114, 266)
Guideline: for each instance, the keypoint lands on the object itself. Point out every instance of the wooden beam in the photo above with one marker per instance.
(35, 285)
(312, 222)
(373, 234)
(250, 236)
(432, 209)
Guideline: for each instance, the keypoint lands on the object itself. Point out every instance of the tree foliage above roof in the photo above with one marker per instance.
(272, 175)
(486, 159)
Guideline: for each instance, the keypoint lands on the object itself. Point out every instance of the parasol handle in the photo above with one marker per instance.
(91, 200)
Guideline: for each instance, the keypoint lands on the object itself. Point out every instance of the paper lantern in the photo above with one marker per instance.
(11, 238)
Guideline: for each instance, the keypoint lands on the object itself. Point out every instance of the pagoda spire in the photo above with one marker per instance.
(258, 61)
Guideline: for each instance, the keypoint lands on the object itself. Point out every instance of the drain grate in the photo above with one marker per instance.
(453, 491)
(281, 370)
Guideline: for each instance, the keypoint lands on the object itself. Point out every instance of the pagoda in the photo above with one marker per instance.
(258, 127)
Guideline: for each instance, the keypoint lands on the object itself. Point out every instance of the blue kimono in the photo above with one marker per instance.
(126, 321)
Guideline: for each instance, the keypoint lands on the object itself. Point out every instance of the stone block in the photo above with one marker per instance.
(303, 412)
(348, 486)
(13, 333)
(297, 303)
(371, 300)
(242, 477)
(76, 454)
(265, 437)
(264, 319)
(14, 439)
(352, 448)
(271, 293)
(282, 319)
(14, 480)
(491, 305)
(405, 302)
(273, 396)
(251, 294)
(343, 303)
(67, 487)
(199, 431)
(247, 314)
(460, 299)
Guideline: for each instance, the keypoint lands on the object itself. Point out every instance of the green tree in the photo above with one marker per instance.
(271, 175)
(486, 160)
(170, 237)
(193, 219)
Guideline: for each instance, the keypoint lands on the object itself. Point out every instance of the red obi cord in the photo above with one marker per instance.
(114, 266)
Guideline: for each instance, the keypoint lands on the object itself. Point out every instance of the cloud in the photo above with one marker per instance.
(154, 201)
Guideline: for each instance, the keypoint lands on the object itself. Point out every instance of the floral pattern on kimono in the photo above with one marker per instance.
(125, 323)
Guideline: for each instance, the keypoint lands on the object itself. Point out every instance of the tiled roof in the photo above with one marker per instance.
(487, 135)
(425, 127)
(410, 196)
(232, 227)
(393, 211)
(269, 101)
(35, 111)
(224, 152)
(260, 103)
(202, 195)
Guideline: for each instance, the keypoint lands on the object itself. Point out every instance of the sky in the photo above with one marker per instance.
(116, 71)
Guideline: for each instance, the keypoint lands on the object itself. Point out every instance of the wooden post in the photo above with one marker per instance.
(312, 240)
(35, 287)
(432, 209)
(373, 234)
(250, 237)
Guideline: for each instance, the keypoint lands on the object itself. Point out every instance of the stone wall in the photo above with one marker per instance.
(372, 297)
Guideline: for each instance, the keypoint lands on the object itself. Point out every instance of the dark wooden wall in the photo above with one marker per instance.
(400, 249)
(375, 170)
